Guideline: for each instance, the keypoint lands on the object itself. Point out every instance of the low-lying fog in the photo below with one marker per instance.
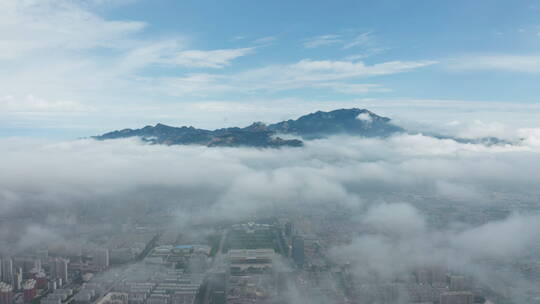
(391, 188)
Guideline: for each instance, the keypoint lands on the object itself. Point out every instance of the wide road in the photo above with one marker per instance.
(215, 265)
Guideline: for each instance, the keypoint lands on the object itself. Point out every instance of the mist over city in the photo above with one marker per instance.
(238, 152)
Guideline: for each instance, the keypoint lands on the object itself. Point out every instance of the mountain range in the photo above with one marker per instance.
(320, 124)
(356, 122)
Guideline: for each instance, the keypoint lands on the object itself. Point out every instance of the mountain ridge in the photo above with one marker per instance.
(319, 124)
(354, 121)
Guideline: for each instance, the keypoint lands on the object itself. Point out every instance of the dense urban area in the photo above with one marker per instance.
(280, 258)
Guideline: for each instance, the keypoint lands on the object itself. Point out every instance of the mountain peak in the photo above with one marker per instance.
(354, 121)
(257, 126)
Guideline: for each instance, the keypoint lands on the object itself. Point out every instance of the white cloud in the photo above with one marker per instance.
(366, 117)
(396, 241)
(89, 63)
(171, 53)
(304, 74)
(340, 170)
(308, 72)
(457, 192)
(327, 69)
(111, 2)
(265, 40)
(31, 103)
(53, 25)
(209, 59)
(364, 39)
(151, 53)
(238, 37)
(199, 84)
(380, 182)
(398, 219)
(316, 72)
(354, 88)
(322, 40)
(71, 59)
(530, 136)
(502, 62)
(479, 128)
(98, 63)
(507, 238)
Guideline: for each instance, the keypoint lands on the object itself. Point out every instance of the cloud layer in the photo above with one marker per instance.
(413, 201)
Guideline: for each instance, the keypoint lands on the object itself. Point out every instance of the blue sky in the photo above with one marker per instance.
(73, 68)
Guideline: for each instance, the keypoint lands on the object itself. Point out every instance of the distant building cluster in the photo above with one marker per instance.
(283, 259)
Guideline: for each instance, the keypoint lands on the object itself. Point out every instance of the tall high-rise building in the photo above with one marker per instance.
(288, 229)
(41, 279)
(422, 276)
(17, 280)
(456, 297)
(26, 263)
(58, 269)
(7, 271)
(36, 264)
(43, 255)
(298, 250)
(29, 290)
(6, 293)
(101, 258)
(457, 283)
